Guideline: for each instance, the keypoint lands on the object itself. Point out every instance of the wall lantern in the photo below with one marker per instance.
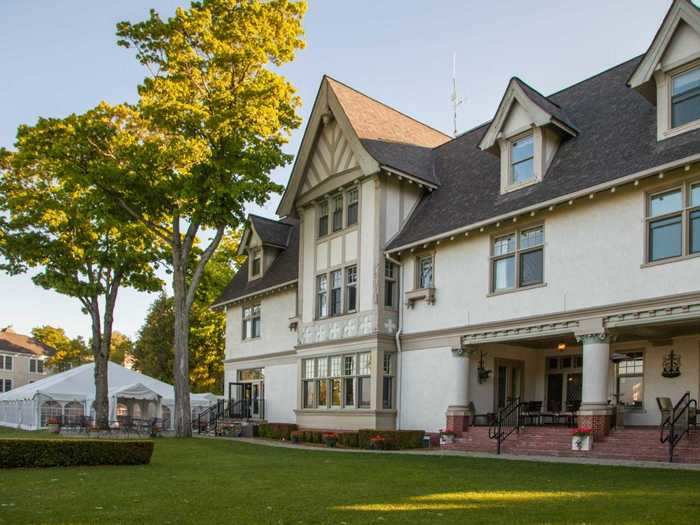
(672, 365)
(561, 347)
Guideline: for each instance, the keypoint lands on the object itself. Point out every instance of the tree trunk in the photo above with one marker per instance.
(101, 384)
(181, 365)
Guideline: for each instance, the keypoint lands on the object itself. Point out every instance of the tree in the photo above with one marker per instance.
(153, 351)
(122, 347)
(69, 352)
(210, 95)
(65, 230)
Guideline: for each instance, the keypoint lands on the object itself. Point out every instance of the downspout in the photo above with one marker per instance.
(399, 330)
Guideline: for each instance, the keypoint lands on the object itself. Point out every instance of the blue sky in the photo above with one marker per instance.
(60, 57)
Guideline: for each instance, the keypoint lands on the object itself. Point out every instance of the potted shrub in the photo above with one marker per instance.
(296, 436)
(377, 442)
(330, 439)
(54, 425)
(447, 437)
(582, 439)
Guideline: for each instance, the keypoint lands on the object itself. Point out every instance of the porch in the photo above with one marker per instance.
(606, 374)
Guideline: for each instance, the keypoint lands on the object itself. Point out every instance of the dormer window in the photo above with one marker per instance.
(685, 97)
(256, 269)
(522, 154)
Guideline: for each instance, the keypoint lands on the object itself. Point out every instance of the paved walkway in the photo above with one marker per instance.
(463, 454)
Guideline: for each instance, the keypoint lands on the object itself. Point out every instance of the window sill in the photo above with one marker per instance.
(516, 187)
(685, 128)
(514, 290)
(338, 233)
(670, 260)
(333, 317)
(420, 294)
(251, 339)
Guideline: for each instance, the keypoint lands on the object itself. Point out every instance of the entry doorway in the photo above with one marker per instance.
(564, 382)
(509, 381)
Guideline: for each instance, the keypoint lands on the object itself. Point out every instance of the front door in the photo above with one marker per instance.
(253, 399)
(509, 381)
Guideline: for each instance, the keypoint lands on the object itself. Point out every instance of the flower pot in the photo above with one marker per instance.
(583, 443)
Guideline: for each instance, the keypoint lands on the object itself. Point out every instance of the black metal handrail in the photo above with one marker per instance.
(232, 409)
(670, 431)
(508, 420)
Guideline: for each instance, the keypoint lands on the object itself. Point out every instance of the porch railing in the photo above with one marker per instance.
(232, 409)
(677, 424)
(508, 420)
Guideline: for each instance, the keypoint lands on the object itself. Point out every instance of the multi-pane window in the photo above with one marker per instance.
(390, 288)
(517, 260)
(522, 154)
(364, 388)
(388, 382)
(425, 272)
(331, 382)
(353, 206)
(251, 322)
(256, 268)
(351, 288)
(36, 366)
(685, 98)
(6, 362)
(322, 296)
(6, 385)
(673, 223)
(630, 380)
(323, 219)
(337, 213)
(336, 292)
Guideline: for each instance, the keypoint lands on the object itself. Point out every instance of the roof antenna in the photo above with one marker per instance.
(455, 98)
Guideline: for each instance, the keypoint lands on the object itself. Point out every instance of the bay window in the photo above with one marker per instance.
(333, 381)
(333, 295)
(323, 219)
(390, 288)
(336, 290)
(517, 260)
(340, 210)
(322, 296)
(337, 213)
(388, 382)
(673, 223)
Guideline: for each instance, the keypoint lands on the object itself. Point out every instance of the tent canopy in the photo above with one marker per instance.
(79, 384)
(136, 391)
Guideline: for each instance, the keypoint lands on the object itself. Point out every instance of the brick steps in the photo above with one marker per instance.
(641, 444)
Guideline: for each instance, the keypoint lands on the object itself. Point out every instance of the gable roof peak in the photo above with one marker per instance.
(542, 110)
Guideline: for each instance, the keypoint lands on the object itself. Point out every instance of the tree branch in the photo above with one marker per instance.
(203, 260)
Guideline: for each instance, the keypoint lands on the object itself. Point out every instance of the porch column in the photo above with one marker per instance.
(595, 411)
(458, 412)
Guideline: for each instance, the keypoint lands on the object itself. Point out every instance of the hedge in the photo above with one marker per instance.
(393, 439)
(348, 439)
(66, 453)
(276, 430)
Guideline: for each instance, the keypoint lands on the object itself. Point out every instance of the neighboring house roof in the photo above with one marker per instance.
(283, 270)
(271, 232)
(616, 137)
(23, 344)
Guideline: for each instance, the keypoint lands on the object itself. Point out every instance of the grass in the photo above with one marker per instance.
(218, 481)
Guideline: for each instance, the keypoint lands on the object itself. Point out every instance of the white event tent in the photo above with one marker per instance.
(72, 393)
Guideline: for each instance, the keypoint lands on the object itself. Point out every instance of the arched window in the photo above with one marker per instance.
(165, 411)
(72, 412)
(49, 410)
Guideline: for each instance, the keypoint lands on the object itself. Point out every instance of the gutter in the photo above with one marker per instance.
(399, 330)
(569, 197)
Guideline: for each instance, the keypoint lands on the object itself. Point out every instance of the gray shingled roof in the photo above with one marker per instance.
(617, 137)
(284, 269)
(271, 232)
(546, 104)
(407, 158)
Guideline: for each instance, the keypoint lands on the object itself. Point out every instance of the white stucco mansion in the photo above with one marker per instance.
(418, 281)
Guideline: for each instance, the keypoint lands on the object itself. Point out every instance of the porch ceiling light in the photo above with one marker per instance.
(561, 347)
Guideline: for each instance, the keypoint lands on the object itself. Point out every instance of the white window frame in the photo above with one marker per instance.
(350, 270)
(420, 284)
(4, 360)
(391, 282)
(618, 375)
(339, 201)
(256, 254)
(249, 315)
(664, 96)
(512, 183)
(328, 275)
(325, 375)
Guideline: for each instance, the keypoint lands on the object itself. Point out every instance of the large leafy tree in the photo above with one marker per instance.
(69, 352)
(153, 350)
(64, 230)
(214, 94)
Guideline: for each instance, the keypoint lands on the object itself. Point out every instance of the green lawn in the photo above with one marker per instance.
(208, 481)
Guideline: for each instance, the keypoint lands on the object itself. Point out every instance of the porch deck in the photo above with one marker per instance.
(632, 443)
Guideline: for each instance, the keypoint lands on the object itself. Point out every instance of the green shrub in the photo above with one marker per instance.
(348, 439)
(316, 437)
(276, 430)
(73, 452)
(393, 439)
